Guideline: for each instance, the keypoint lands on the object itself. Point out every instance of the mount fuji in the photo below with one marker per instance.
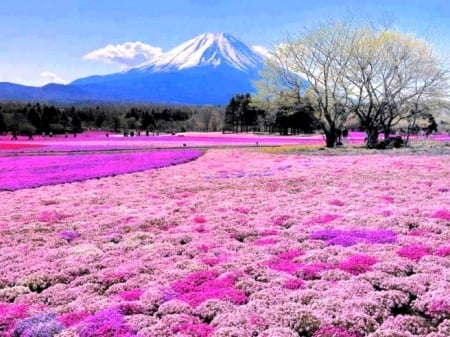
(208, 69)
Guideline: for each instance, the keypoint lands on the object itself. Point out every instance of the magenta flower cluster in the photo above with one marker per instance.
(200, 286)
(167, 252)
(33, 171)
(354, 236)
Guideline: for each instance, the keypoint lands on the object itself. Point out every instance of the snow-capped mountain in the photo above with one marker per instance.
(208, 69)
(210, 49)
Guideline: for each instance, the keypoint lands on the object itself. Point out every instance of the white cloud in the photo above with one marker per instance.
(50, 77)
(261, 50)
(128, 54)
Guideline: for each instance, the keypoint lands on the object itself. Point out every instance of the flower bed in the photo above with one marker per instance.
(31, 171)
(235, 243)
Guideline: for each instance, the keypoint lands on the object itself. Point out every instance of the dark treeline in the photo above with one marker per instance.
(285, 118)
(38, 118)
(240, 115)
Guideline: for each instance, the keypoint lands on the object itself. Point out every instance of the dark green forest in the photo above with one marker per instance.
(240, 115)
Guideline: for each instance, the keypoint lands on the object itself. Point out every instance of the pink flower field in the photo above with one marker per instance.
(236, 243)
(97, 141)
(17, 172)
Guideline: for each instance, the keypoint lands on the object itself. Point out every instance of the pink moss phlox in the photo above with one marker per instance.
(280, 220)
(242, 210)
(443, 251)
(312, 271)
(357, 264)
(213, 261)
(443, 189)
(114, 278)
(322, 219)
(193, 328)
(265, 241)
(200, 228)
(40, 170)
(69, 235)
(204, 248)
(418, 232)
(284, 262)
(334, 331)
(441, 214)
(336, 202)
(386, 213)
(10, 314)
(131, 295)
(351, 237)
(439, 308)
(73, 318)
(200, 286)
(40, 325)
(108, 322)
(290, 254)
(269, 232)
(294, 283)
(257, 321)
(199, 219)
(387, 199)
(414, 252)
(50, 216)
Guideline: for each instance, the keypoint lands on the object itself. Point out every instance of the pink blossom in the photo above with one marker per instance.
(441, 214)
(357, 264)
(414, 252)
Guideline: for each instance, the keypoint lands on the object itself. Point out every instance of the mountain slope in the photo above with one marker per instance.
(208, 69)
(208, 49)
(48, 92)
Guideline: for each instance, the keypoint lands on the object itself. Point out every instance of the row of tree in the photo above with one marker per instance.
(348, 71)
(242, 114)
(37, 118)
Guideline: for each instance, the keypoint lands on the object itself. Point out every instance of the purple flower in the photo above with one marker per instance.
(42, 325)
(68, 235)
(354, 236)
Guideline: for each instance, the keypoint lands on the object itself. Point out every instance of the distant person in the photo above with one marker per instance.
(14, 135)
(345, 135)
(339, 135)
(30, 135)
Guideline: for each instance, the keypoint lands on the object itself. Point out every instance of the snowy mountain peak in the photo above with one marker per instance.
(209, 49)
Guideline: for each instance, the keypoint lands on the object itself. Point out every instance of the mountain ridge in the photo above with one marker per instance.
(208, 69)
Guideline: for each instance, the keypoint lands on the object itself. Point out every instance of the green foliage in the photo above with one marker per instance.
(38, 117)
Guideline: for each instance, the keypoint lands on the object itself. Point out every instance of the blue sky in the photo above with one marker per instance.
(61, 40)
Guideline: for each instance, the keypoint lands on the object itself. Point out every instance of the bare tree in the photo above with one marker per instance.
(392, 74)
(379, 75)
(314, 63)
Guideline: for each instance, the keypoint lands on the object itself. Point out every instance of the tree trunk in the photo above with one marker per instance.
(372, 139)
(330, 139)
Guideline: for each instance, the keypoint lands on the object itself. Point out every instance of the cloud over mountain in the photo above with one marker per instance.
(128, 54)
(50, 77)
(207, 69)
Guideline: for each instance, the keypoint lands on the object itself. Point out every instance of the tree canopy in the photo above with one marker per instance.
(381, 76)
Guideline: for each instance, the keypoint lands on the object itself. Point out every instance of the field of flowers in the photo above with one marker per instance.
(26, 171)
(238, 242)
(97, 141)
